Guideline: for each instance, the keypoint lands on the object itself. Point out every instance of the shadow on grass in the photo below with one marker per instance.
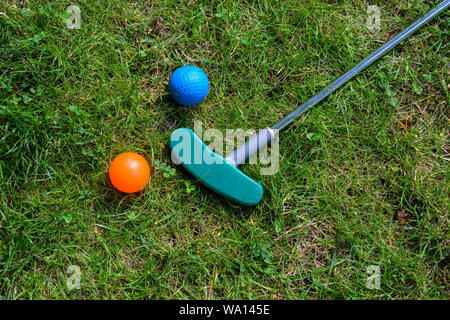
(113, 197)
(174, 115)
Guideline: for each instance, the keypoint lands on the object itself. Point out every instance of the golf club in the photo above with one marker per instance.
(221, 174)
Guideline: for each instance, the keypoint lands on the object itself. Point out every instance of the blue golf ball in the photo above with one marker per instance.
(188, 85)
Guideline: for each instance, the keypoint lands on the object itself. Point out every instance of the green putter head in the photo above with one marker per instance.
(212, 169)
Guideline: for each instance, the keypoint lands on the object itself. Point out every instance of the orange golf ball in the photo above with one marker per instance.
(129, 172)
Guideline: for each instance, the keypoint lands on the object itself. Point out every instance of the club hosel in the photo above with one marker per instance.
(251, 147)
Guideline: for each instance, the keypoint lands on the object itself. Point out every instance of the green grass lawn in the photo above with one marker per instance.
(363, 177)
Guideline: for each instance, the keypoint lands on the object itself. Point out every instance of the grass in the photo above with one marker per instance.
(363, 177)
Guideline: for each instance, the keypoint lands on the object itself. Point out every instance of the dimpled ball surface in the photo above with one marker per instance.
(188, 85)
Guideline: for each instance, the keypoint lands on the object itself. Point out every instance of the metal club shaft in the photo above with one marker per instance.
(363, 64)
(262, 139)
